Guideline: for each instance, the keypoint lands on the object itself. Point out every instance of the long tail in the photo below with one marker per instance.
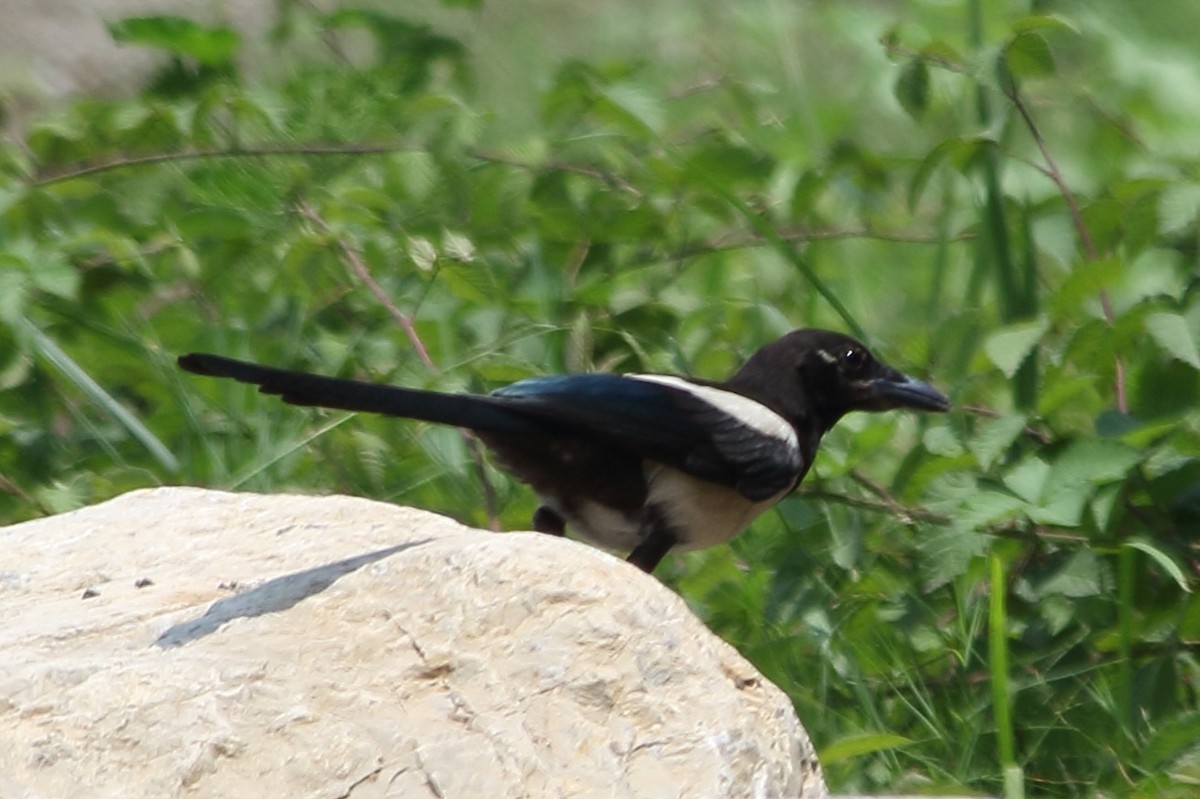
(484, 414)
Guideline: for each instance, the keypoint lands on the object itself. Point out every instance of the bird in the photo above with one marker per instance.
(641, 463)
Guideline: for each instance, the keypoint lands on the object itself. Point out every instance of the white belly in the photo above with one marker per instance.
(704, 514)
(707, 514)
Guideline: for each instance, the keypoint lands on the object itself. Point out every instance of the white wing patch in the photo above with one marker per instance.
(701, 513)
(745, 410)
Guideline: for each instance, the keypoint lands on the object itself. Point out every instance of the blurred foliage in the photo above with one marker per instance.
(1002, 197)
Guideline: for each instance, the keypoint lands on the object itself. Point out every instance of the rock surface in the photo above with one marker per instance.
(180, 642)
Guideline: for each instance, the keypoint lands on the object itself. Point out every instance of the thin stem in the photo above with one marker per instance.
(88, 170)
(358, 268)
(903, 513)
(1081, 230)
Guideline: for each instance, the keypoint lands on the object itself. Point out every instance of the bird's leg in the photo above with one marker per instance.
(546, 520)
(647, 555)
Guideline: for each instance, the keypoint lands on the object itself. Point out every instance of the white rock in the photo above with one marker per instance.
(328, 647)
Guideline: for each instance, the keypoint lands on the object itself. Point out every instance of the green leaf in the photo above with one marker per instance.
(61, 497)
(1027, 478)
(1062, 507)
(457, 247)
(52, 274)
(1173, 334)
(1044, 22)
(14, 288)
(1105, 222)
(947, 553)
(422, 252)
(213, 47)
(985, 508)
(1104, 505)
(1028, 55)
(961, 152)
(1171, 740)
(1163, 559)
(633, 107)
(940, 439)
(1086, 281)
(852, 746)
(1073, 476)
(729, 163)
(912, 87)
(942, 53)
(1083, 575)
(996, 436)
(1009, 347)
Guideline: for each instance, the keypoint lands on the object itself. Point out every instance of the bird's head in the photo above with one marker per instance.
(825, 374)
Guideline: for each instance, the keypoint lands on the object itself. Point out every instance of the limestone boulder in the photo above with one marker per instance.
(184, 642)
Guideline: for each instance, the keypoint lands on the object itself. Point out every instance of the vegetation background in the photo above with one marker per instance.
(1002, 196)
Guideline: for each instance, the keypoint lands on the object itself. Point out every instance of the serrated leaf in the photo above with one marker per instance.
(912, 87)
(1008, 348)
(1076, 472)
(1062, 507)
(1172, 333)
(469, 284)
(947, 553)
(939, 439)
(853, 746)
(1083, 575)
(1027, 478)
(422, 252)
(985, 508)
(458, 247)
(996, 436)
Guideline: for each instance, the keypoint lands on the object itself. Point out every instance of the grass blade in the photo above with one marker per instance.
(71, 370)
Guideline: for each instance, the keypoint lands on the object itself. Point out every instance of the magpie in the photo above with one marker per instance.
(642, 463)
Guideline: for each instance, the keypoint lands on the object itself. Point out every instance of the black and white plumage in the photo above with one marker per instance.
(642, 463)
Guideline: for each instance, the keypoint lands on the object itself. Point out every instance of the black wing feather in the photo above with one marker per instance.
(638, 417)
(662, 422)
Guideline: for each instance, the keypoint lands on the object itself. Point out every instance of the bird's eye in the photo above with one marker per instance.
(852, 358)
